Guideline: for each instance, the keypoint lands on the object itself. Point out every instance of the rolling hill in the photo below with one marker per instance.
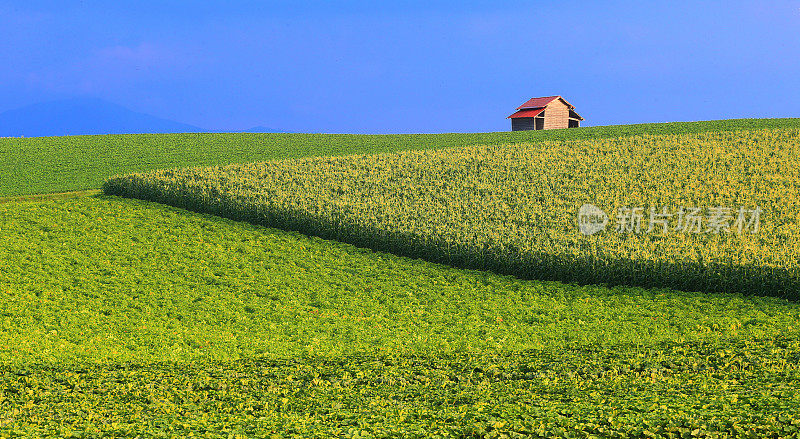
(128, 318)
(69, 163)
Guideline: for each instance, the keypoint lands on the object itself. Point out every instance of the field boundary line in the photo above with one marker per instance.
(50, 196)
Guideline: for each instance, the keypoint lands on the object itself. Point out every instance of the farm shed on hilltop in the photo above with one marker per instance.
(547, 113)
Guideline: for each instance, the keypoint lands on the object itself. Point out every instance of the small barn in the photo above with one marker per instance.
(546, 113)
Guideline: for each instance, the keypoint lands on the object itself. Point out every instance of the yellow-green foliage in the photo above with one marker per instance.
(513, 207)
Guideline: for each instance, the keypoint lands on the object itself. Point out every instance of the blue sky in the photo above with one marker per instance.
(404, 67)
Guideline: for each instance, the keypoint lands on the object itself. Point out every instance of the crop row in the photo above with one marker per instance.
(676, 391)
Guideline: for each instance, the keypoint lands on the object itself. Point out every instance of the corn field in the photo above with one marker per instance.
(513, 208)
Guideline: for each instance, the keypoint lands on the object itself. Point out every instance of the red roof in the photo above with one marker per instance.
(538, 102)
(526, 113)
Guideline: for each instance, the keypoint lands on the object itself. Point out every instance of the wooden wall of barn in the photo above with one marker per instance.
(556, 115)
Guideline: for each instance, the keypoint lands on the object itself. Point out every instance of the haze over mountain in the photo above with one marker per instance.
(260, 129)
(77, 116)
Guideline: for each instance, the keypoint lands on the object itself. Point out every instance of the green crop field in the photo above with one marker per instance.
(128, 318)
(57, 164)
(513, 208)
(124, 317)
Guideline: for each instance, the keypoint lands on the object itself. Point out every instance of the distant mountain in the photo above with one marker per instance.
(260, 129)
(83, 116)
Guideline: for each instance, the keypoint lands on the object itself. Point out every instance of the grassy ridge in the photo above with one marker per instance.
(125, 317)
(56, 164)
(513, 208)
